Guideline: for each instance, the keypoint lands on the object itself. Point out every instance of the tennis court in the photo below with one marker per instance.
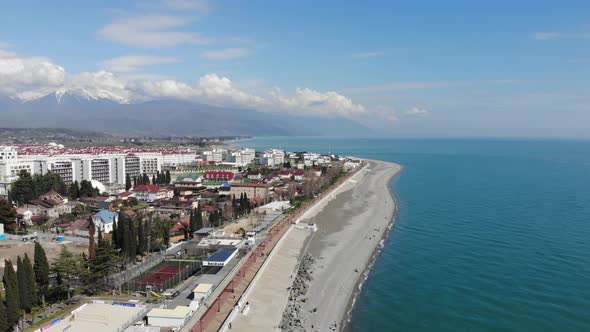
(165, 275)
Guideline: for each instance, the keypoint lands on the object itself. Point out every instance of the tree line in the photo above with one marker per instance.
(161, 178)
(28, 187)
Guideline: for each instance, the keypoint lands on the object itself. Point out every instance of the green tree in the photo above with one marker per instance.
(115, 235)
(101, 267)
(199, 218)
(127, 182)
(23, 188)
(132, 248)
(141, 237)
(74, 190)
(27, 291)
(192, 221)
(23, 290)
(91, 243)
(166, 234)
(12, 294)
(68, 268)
(168, 178)
(41, 268)
(86, 189)
(123, 235)
(3, 318)
(8, 215)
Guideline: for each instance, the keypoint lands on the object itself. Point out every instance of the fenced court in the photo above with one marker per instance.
(165, 275)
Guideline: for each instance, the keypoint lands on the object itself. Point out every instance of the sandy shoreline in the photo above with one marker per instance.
(350, 229)
(352, 221)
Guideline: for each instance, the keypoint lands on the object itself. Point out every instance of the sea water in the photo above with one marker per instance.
(491, 235)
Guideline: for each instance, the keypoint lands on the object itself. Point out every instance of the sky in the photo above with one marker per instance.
(405, 68)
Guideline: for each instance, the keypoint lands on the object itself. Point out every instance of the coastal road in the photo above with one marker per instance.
(350, 227)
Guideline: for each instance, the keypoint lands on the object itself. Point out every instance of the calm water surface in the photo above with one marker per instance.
(491, 235)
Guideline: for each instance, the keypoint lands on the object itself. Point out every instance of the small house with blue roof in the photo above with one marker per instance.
(104, 219)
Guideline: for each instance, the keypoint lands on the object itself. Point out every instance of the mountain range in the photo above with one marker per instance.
(103, 112)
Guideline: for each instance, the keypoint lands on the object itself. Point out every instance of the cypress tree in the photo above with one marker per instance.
(115, 234)
(168, 177)
(3, 318)
(12, 294)
(132, 249)
(199, 218)
(23, 288)
(41, 268)
(154, 179)
(30, 283)
(123, 236)
(192, 221)
(127, 182)
(166, 235)
(91, 244)
(141, 238)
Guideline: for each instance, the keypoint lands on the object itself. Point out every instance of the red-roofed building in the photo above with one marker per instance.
(151, 193)
(215, 176)
(298, 175)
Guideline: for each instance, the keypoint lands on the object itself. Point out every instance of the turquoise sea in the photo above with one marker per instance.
(491, 235)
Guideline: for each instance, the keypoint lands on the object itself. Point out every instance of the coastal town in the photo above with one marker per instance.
(155, 238)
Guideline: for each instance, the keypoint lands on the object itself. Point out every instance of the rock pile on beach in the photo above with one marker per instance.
(292, 318)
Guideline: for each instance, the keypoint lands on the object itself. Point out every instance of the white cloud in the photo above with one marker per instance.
(545, 35)
(225, 54)
(130, 63)
(151, 31)
(368, 54)
(220, 90)
(306, 100)
(417, 111)
(23, 73)
(165, 89)
(33, 77)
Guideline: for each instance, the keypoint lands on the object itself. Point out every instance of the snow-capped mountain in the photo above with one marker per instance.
(86, 95)
(101, 111)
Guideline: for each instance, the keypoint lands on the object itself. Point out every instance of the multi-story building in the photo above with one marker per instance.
(175, 159)
(63, 168)
(258, 191)
(132, 166)
(243, 157)
(272, 158)
(216, 155)
(150, 163)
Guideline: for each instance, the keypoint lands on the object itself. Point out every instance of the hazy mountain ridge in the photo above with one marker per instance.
(67, 109)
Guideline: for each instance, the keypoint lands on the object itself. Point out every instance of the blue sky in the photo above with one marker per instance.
(413, 68)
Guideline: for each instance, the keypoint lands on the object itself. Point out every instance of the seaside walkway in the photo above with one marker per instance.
(218, 311)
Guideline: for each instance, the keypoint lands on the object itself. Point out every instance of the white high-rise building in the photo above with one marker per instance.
(216, 155)
(243, 157)
(272, 158)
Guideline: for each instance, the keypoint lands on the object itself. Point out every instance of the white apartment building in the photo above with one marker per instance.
(175, 159)
(272, 158)
(150, 163)
(216, 155)
(107, 168)
(243, 157)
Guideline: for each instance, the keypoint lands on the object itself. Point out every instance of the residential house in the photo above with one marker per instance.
(104, 219)
(151, 193)
(216, 176)
(254, 175)
(258, 191)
